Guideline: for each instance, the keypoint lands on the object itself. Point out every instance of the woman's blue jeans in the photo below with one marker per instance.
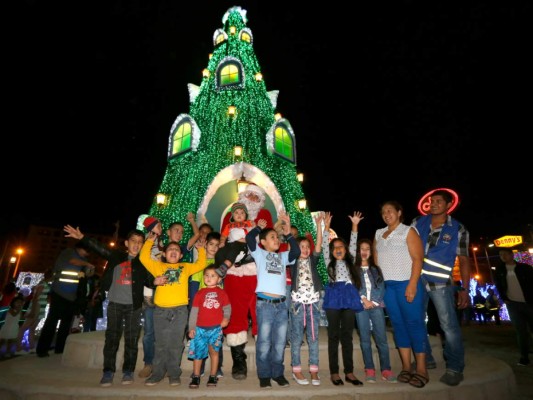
(408, 319)
(370, 323)
(304, 319)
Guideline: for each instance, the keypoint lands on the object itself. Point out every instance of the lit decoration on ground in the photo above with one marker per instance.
(28, 279)
(524, 257)
(484, 289)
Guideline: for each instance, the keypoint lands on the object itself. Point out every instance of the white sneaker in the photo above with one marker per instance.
(303, 381)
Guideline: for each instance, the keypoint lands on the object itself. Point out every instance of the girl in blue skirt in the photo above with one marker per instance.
(342, 299)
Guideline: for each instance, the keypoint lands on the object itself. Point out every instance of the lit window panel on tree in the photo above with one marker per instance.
(219, 37)
(246, 36)
(182, 138)
(229, 75)
(283, 143)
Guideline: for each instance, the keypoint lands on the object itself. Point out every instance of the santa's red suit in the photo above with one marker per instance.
(240, 284)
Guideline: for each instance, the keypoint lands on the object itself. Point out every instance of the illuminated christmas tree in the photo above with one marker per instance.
(231, 109)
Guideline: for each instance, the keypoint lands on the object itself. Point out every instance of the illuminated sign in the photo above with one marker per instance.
(508, 241)
(425, 201)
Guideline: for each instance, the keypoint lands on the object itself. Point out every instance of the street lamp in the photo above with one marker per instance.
(12, 261)
(475, 262)
(19, 252)
(488, 262)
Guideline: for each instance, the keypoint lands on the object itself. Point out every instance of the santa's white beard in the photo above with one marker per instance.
(252, 207)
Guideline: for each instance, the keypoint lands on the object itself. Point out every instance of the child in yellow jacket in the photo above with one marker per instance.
(170, 313)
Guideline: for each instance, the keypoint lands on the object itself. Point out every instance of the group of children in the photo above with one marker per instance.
(354, 293)
(354, 290)
(211, 310)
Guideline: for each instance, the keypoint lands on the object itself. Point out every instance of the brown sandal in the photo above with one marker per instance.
(418, 381)
(404, 376)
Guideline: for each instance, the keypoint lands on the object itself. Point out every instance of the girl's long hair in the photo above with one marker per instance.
(348, 259)
(371, 263)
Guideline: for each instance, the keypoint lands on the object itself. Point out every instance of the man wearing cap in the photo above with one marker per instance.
(240, 284)
(232, 239)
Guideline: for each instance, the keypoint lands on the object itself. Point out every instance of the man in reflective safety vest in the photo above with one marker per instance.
(444, 239)
(70, 266)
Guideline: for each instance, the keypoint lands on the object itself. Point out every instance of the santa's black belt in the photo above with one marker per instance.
(274, 300)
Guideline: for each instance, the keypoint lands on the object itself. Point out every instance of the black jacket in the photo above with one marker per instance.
(524, 273)
(140, 276)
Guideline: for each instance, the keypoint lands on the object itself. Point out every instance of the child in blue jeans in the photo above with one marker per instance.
(271, 308)
(304, 312)
(371, 321)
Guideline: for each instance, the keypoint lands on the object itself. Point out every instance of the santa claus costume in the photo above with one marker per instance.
(240, 284)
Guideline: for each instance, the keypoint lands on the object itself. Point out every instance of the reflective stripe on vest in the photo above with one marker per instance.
(67, 276)
(438, 265)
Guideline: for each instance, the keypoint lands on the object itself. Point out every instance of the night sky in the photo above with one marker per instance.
(387, 101)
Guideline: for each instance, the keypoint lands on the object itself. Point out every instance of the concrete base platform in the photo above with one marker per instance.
(76, 375)
(86, 351)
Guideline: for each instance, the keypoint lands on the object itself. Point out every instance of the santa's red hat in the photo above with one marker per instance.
(150, 223)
